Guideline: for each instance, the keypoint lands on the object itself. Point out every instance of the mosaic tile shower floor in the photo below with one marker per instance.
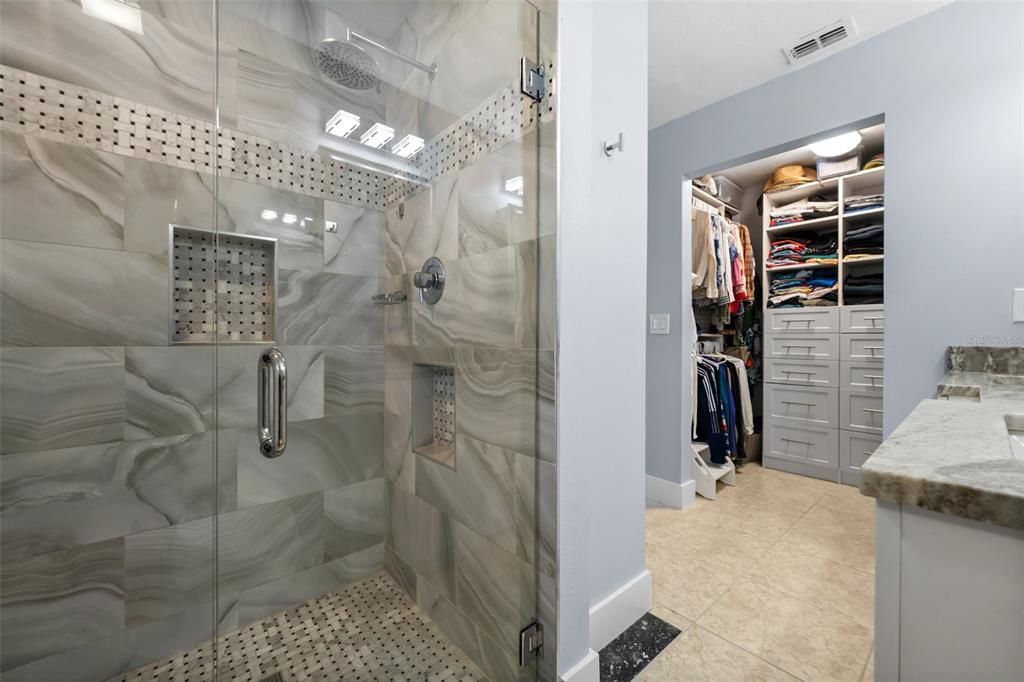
(370, 631)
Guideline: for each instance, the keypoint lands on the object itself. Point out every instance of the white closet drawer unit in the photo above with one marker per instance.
(855, 448)
(802, 372)
(862, 319)
(862, 347)
(860, 411)
(802, 346)
(802, 444)
(800, 405)
(803, 321)
(861, 376)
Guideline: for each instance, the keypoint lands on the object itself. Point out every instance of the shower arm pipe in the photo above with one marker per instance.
(430, 69)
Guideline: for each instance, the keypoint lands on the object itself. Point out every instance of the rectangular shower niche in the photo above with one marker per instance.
(433, 412)
(223, 286)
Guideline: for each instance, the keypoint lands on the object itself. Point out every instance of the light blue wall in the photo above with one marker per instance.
(950, 88)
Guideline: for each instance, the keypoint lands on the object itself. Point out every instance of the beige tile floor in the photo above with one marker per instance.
(774, 580)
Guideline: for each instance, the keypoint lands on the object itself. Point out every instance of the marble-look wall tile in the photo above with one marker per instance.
(60, 193)
(398, 317)
(498, 662)
(166, 65)
(171, 390)
(547, 288)
(158, 195)
(490, 216)
(496, 397)
(353, 379)
(284, 593)
(494, 589)
(536, 514)
(401, 572)
(61, 600)
(423, 537)
(319, 308)
(489, 300)
(425, 225)
(129, 649)
(479, 492)
(355, 517)
(321, 454)
(76, 496)
(358, 245)
(547, 417)
(60, 397)
(278, 103)
(170, 569)
(55, 295)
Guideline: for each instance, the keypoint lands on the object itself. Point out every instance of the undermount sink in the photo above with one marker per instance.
(1015, 429)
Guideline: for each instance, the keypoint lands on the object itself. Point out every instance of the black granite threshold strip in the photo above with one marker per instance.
(629, 653)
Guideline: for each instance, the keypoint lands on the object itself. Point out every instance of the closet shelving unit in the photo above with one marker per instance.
(823, 366)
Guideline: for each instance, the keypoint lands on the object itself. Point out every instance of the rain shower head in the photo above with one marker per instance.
(347, 64)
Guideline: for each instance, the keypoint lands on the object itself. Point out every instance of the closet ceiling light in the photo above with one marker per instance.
(289, 218)
(408, 146)
(121, 13)
(377, 136)
(268, 214)
(836, 146)
(342, 124)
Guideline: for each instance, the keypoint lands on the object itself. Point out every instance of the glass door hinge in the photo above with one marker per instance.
(533, 82)
(531, 639)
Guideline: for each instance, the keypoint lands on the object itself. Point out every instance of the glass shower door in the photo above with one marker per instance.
(390, 496)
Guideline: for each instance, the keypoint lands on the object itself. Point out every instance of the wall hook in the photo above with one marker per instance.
(609, 147)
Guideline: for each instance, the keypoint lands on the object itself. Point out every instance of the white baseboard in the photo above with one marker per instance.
(623, 607)
(669, 493)
(587, 670)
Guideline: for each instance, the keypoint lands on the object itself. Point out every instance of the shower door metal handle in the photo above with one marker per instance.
(272, 379)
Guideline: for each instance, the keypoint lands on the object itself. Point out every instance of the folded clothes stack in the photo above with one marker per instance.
(863, 288)
(863, 242)
(801, 249)
(805, 209)
(803, 288)
(863, 202)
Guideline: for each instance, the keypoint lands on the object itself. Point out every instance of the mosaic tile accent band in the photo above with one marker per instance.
(370, 631)
(34, 105)
(444, 406)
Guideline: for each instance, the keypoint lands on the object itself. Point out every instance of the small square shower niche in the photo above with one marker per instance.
(433, 412)
(223, 286)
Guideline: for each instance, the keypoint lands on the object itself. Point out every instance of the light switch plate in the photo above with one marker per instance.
(660, 323)
(1018, 305)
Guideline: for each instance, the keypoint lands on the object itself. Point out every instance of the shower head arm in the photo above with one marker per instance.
(430, 69)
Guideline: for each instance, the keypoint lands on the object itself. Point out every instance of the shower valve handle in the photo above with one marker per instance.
(425, 280)
(430, 281)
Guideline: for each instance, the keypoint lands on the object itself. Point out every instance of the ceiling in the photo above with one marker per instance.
(754, 174)
(702, 52)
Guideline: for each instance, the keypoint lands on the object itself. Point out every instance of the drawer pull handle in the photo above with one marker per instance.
(796, 402)
(873, 411)
(796, 371)
(873, 376)
(793, 440)
(874, 347)
(867, 454)
(807, 322)
(879, 317)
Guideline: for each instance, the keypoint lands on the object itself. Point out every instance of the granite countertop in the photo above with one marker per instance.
(952, 454)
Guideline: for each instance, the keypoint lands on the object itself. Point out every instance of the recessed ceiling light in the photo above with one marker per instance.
(377, 136)
(408, 146)
(268, 214)
(289, 218)
(514, 185)
(342, 124)
(836, 146)
(120, 13)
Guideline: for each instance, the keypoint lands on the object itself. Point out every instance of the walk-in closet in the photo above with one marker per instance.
(789, 312)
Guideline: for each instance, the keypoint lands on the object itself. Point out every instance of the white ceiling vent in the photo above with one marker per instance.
(820, 40)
